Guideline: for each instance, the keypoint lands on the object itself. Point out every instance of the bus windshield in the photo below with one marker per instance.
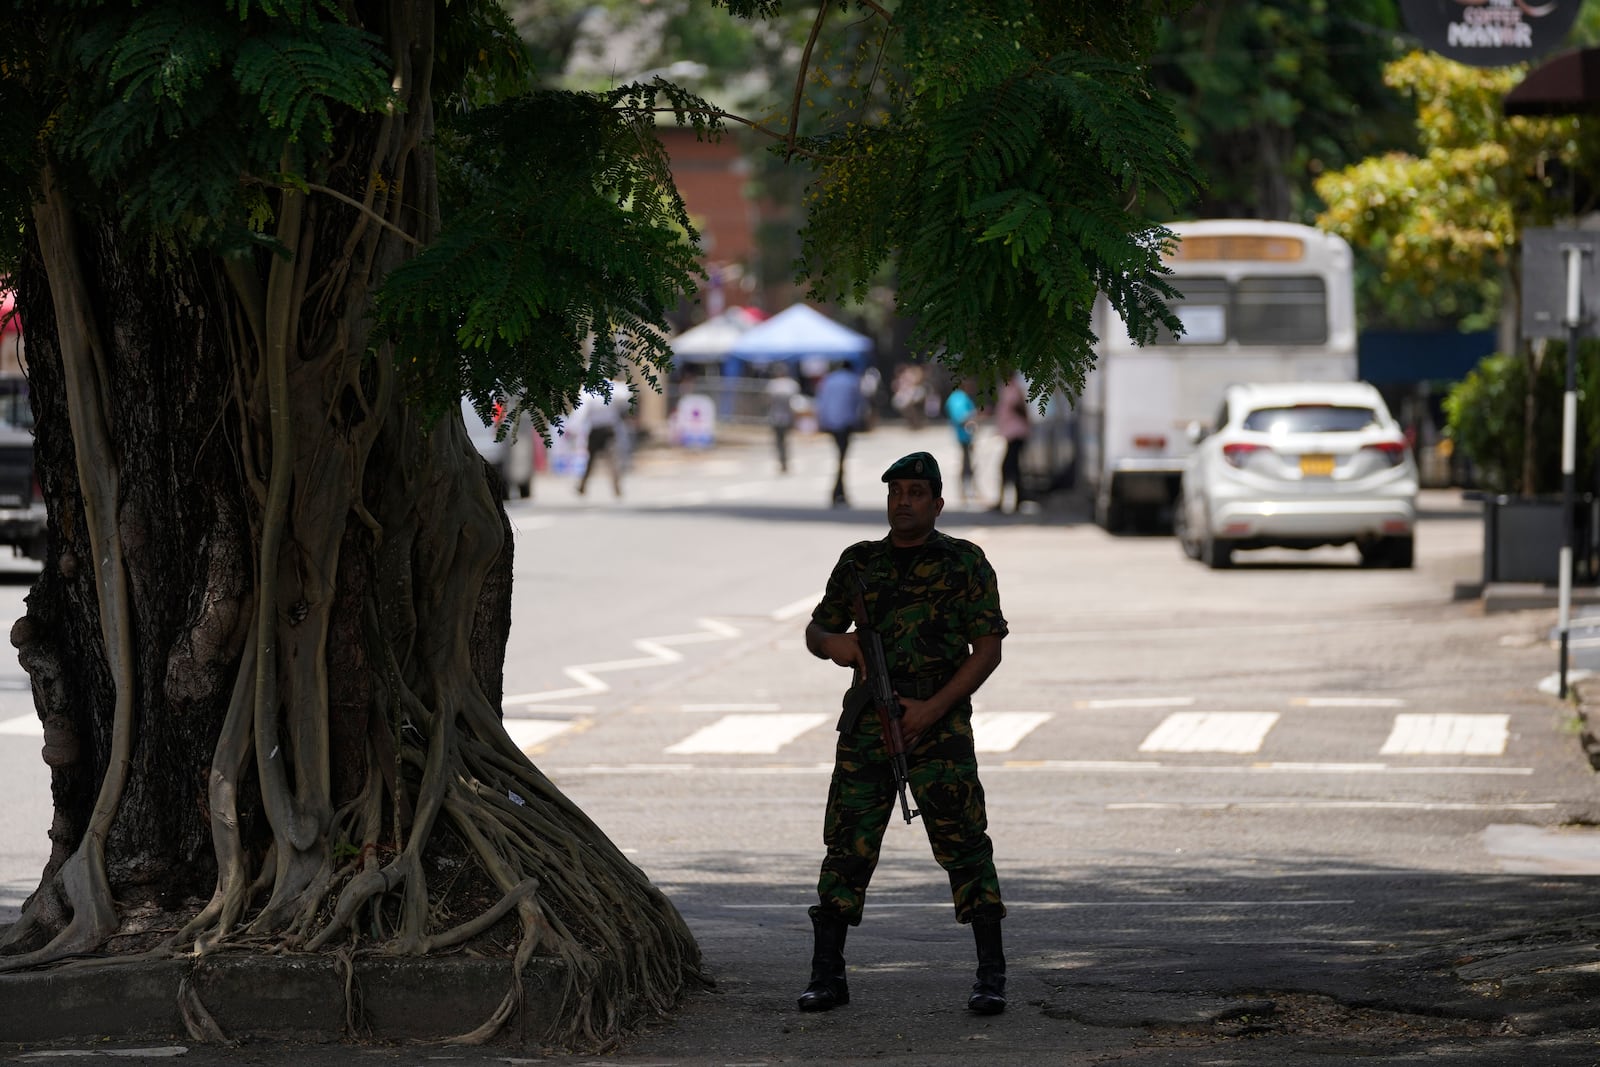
(1265, 310)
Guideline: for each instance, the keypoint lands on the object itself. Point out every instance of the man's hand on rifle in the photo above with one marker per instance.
(918, 716)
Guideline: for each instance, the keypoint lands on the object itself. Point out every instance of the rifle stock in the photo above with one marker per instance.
(884, 700)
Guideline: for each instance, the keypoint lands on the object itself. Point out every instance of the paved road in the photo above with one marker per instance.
(1287, 780)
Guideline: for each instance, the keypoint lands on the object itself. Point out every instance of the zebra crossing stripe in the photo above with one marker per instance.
(1448, 735)
(760, 734)
(1002, 731)
(1239, 732)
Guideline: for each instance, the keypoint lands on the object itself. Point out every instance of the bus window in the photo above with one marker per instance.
(1203, 310)
(1280, 311)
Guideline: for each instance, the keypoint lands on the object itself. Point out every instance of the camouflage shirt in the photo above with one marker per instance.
(927, 602)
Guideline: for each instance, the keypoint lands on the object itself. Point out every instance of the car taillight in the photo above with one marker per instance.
(1239, 451)
(1149, 440)
(1393, 451)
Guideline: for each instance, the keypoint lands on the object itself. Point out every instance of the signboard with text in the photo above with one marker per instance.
(1490, 33)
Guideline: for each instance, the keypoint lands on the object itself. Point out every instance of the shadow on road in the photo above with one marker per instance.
(1255, 955)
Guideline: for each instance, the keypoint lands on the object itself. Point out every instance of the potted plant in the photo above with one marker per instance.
(1505, 419)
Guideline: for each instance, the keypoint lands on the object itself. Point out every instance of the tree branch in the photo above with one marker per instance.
(800, 79)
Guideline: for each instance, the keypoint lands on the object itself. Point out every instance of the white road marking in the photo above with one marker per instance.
(658, 652)
(747, 734)
(1383, 770)
(1448, 735)
(726, 708)
(879, 904)
(1146, 766)
(1240, 732)
(530, 732)
(1001, 731)
(1135, 702)
(1149, 632)
(23, 726)
(1348, 702)
(1331, 805)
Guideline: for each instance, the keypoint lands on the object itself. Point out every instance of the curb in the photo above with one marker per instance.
(1585, 692)
(252, 997)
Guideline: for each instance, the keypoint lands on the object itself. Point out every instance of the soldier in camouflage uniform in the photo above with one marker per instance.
(935, 602)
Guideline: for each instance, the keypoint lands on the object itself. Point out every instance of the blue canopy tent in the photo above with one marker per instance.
(797, 334)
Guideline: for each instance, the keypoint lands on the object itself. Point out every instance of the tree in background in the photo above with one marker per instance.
(1445, 221)
(263, 249)
(1272, 93)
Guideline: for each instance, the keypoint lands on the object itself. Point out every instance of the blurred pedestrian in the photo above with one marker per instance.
(910, 394)
(1011, 422)
(602, 419)
(961, 409)
(781, 392)
(838, 407)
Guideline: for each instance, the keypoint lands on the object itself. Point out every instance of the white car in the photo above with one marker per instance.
(512, 454)
(1298, 465)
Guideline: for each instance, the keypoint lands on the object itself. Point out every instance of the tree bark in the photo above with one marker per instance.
(267, 641)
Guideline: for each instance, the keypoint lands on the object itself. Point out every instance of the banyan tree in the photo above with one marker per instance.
(262, 249)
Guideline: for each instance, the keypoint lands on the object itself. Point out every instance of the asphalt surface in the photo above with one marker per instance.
(1518, 987)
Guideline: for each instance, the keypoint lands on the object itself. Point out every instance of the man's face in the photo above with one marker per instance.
(912, 509)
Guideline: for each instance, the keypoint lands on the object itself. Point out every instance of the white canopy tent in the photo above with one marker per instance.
(712, 340)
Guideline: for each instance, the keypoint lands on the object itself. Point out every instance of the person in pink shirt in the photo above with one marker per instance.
(1011, 423)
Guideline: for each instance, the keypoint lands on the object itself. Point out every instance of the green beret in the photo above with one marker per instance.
(916, 465)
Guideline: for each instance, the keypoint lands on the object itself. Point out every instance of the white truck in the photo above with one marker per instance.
(1262, 302)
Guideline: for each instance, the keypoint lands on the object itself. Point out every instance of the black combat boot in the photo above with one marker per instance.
(989, 991)
(827, 989)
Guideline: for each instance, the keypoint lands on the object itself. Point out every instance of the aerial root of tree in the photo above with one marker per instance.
(447, 801)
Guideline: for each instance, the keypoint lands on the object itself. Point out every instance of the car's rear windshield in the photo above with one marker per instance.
(1311, 418)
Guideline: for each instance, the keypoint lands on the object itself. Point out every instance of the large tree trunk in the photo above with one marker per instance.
(266, 645)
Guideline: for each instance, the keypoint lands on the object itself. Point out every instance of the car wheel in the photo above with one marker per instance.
(1112, 518)
(1400, 552)
(1181, 530)
(1216, 553)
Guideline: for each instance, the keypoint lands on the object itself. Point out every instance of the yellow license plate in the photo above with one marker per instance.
(1316, 465)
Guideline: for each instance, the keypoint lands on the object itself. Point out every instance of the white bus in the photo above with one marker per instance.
(1262, 302)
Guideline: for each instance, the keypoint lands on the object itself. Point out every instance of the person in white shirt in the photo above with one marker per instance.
(781, 392)
(605, 432)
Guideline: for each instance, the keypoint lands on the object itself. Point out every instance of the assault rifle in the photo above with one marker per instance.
(881, 689)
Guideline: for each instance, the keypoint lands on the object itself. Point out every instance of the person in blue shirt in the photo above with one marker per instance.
(961, 410)
(838, 408)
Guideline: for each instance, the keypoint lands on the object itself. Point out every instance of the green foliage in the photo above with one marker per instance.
(1486, 418)
(1272, 93)
(1443, 223)
(1004, 196)
(995, 158)
(565, 245)
(180, 108)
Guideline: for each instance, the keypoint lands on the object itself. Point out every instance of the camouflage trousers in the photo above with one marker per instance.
(943, 769)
